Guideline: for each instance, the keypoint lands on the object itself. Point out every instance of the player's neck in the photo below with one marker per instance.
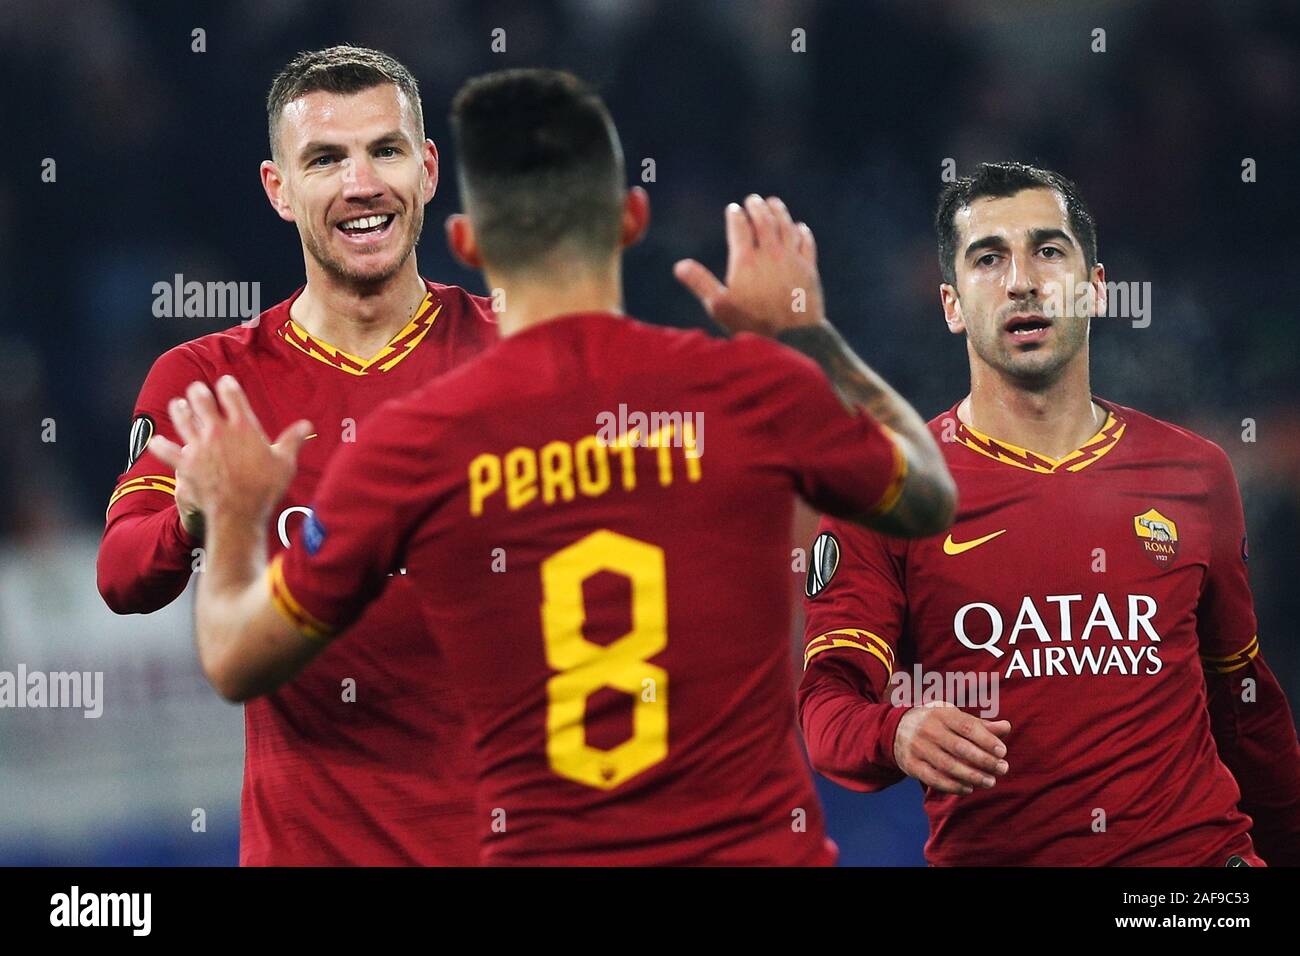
(530, 301)
(358, 320)
(1053, 419)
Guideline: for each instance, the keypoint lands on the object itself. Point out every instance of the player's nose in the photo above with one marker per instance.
(360, 180)
(1020, 276)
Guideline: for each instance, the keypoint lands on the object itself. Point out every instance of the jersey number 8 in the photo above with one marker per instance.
(584, 668)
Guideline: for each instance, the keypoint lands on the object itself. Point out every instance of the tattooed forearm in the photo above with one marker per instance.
(857, 385)
(928, 500)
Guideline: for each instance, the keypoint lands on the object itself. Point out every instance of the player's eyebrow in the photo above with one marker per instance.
(390, 138)
(1038, 236)
(985, 242)
(315, 147)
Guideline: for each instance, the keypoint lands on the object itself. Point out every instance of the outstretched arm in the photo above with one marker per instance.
(246, 646)
(773, 288)
(928, 500)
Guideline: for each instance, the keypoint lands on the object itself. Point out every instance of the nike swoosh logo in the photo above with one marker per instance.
(952, 547)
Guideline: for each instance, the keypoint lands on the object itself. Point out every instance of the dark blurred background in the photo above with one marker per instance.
(156, 149)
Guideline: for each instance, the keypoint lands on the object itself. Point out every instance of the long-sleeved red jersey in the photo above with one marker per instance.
(597, 514)
(363, 758)
(1091, 601)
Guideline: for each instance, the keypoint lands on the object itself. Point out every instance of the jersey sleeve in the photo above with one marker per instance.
(371, 498)
(844, 463)
(145, 557)
(1249, 715)
(854, 615)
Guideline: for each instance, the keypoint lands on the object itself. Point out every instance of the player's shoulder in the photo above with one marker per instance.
(746, 366)
(461, 305)
(217, 352)
(203, 358)
(618, 328)
(739, 349)
(853, 549)
(747, 348)
(1157, 438)
(743, 359)
(620, 339)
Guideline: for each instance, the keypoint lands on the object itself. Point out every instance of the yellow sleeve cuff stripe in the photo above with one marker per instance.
(851, 637)
(287, 605)
(894, 491)
(1232, 662)
(831, 645)
(163, 483)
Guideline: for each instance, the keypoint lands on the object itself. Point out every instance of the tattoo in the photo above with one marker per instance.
(926, 504)
(856, 384)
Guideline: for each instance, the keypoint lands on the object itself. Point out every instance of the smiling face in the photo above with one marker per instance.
(1024, 294)
(353, 171)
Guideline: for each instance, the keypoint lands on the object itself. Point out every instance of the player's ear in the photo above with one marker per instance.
(462, 241)
(430, 170)
(273, 184)
(1098, 282)
(636, 216)
(951, 309)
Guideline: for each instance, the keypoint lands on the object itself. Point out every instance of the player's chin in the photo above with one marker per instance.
(372, 264)
(1030, 361)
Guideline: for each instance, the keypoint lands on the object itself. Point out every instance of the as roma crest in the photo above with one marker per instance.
(1158, 536)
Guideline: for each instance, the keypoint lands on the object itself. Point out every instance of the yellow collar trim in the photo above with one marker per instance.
(1093, 449)
(398, 347)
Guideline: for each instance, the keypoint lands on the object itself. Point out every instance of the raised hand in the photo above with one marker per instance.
(772, 279)
(227, 464)
(191, 514)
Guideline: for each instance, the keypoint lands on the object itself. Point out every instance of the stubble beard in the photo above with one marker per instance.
(339, 270)
(1031, 369)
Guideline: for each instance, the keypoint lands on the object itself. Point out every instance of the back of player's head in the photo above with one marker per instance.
(541, 168)
(337, 69)
(1006, 179)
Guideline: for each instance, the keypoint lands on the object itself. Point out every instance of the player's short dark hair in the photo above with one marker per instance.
(540, 165)
(1007, 179)
(337, 69)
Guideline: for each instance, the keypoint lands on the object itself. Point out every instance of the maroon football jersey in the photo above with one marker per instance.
(363, 758)
(1077, 598)
(596, 518)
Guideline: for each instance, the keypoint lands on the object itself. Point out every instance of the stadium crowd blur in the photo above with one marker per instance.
(157, 146)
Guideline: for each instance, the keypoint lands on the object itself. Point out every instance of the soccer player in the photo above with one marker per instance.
(593, 513)
(363, 758)
(1095, 579)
